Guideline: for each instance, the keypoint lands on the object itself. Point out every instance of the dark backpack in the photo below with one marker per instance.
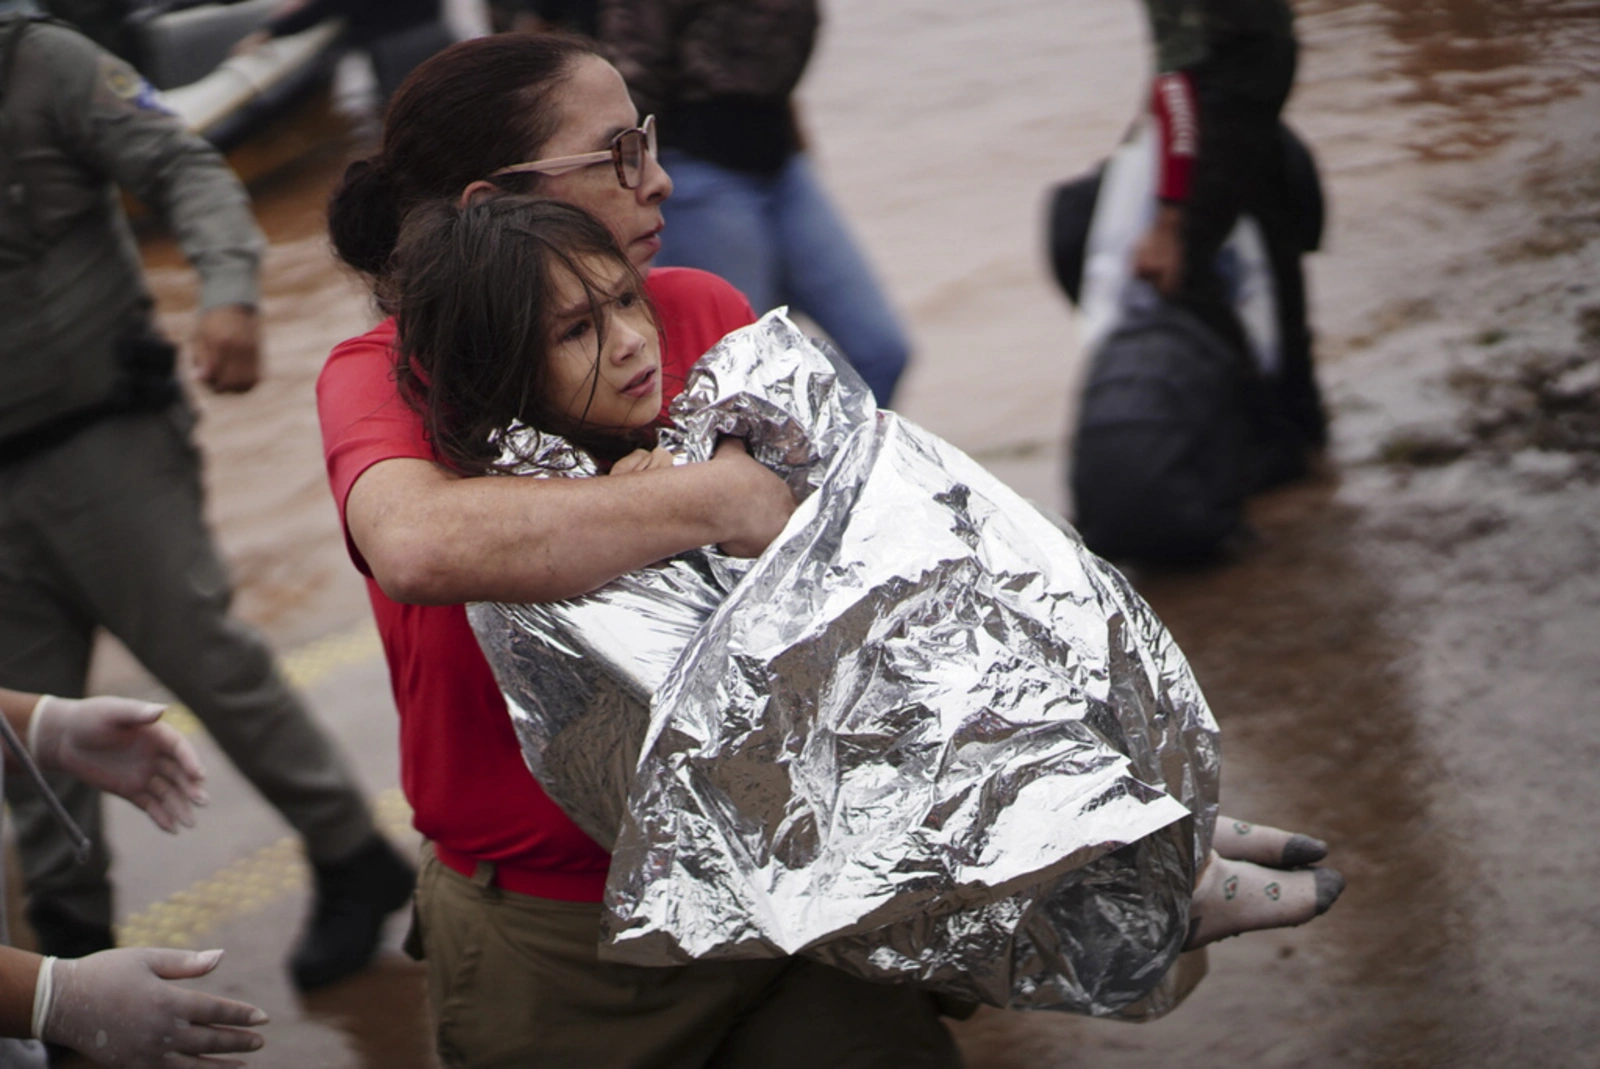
(1160, 464)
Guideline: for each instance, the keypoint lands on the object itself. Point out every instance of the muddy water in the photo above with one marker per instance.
(1402, 663)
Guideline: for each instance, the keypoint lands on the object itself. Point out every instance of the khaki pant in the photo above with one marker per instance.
(105, 530)
(515, 981)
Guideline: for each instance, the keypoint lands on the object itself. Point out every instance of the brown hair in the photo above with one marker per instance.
(475, 291)
(473, 108)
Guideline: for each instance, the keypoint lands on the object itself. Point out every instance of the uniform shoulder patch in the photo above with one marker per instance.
(126, 84)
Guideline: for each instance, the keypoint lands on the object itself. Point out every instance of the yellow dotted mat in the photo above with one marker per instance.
(185, 918)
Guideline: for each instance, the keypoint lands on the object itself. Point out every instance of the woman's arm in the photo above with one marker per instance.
(432, 538)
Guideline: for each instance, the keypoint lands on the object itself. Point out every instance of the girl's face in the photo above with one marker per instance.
(621, 390)
(594, 107)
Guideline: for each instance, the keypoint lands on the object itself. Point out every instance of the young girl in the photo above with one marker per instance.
(520, 311)
(523, 310)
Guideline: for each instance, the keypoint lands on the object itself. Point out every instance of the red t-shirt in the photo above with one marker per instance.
(460, 763)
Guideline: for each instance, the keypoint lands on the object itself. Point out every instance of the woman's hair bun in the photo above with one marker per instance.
(364, 215)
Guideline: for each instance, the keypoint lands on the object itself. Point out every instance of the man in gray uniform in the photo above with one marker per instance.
(100, 501)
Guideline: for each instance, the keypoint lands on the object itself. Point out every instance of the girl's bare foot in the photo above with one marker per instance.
(1241, 896)
(1240, 840)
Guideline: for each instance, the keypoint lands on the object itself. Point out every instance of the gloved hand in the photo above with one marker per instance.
(118, 745)
(116, 1008)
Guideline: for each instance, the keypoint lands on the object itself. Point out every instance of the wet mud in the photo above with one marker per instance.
(1402, 660)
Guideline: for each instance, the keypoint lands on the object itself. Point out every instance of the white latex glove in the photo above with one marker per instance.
(117, 1008)
(118, 745)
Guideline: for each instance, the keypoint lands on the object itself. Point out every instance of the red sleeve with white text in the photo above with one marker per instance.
(1172, 103)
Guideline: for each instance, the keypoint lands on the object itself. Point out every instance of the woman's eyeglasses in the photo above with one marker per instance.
(627, 152)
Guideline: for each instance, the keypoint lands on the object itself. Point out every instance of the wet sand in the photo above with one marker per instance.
(1402, 663)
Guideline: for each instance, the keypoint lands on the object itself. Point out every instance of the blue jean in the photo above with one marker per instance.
(779, 240)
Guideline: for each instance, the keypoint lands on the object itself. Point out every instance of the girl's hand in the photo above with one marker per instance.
(644, 460)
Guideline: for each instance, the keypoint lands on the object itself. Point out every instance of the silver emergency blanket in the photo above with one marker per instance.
(926, 736)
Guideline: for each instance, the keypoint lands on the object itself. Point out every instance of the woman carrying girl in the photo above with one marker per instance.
(577, 355)
(509, 889)
(508, 897)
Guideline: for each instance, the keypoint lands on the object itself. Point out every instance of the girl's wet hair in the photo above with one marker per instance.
(475, 289)
(473, 108)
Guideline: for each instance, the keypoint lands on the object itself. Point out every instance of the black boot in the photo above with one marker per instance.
(354, 895)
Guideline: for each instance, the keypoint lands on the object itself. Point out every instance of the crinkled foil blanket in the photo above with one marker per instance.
(926, 736)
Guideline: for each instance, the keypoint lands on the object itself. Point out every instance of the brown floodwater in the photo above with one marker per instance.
(1402, 662)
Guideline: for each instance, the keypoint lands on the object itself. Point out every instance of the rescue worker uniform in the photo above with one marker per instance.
(100, 497)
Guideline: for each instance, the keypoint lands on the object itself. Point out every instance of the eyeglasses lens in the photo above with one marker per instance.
(631, 148)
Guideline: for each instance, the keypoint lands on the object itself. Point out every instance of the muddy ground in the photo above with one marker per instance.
(1404, 661)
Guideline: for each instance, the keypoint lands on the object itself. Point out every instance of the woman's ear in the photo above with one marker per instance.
(482, 187)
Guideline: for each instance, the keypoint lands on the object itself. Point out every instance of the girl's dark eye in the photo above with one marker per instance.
(578, 329)
(627, 299)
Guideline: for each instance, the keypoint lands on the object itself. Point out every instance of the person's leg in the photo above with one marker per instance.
(516, 981)
(1271, 200)
(718, 220)
(1248, 88)
(816, 1015)
(133, 543)
(45, 642)
(1240, 90)
(828, 279)
(125, 530)
(1220, 172)
(1298, 393)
